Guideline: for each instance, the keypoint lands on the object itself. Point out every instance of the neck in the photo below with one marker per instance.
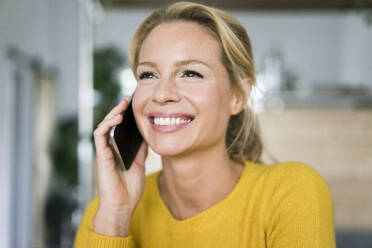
(191, 184)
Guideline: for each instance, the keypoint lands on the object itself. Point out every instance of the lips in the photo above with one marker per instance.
(170, 120)
(169, 116)
(165, 122)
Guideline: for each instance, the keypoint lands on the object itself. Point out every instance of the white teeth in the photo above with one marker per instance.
(170, 121)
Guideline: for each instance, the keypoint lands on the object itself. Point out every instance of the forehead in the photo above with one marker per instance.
(180, 40)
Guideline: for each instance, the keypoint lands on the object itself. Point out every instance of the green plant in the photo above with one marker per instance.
(108, 61)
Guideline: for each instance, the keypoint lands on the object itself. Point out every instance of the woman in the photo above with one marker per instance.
(194, 68)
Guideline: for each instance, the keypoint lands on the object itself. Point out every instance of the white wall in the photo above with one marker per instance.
(63, 35)
(356, 40)
(309, 41)
(48, 30)
(18, 20)
(119, 27)
(325, 47)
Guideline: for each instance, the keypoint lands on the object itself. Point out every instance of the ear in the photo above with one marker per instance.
(240, 96)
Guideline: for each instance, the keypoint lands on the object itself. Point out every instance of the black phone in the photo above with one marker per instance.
(126, 139)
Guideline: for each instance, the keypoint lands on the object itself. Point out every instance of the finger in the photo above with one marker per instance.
(118, 109)
(106, 155)
(102, 132)
(128, 97)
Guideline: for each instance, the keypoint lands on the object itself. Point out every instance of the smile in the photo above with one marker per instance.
(169, 122)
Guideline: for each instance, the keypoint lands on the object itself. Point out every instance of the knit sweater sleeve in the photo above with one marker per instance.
(301, 212)
(87, 238)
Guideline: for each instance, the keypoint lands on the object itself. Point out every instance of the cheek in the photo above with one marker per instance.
(136, 104)
(212, 100)
(212, 94)
(139, 102)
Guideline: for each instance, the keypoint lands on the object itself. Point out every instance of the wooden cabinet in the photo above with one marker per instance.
(338, 144)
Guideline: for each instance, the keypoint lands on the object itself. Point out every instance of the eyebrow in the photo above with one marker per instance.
(177, 63)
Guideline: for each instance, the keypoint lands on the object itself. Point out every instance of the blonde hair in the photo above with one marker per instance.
(243, 139)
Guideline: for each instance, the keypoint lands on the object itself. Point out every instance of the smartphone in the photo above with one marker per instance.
(126, 139)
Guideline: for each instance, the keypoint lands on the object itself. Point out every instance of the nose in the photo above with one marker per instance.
(166, 91)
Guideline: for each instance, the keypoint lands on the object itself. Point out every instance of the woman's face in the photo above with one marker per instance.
(183, 100)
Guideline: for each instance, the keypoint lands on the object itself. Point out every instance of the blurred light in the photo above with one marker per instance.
(97, 97)
(128, 82)
(95, 10)
(272, 73)
(257, 97)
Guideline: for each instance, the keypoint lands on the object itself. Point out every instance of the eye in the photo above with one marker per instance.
(189, 73)
(146, 74)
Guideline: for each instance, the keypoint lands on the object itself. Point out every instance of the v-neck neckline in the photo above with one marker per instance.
(210, 216)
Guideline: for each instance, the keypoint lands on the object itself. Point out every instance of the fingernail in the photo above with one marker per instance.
(118, 116)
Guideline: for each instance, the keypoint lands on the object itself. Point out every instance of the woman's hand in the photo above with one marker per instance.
(119, 191)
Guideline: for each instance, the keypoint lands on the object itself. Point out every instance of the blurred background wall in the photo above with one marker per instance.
(33, 34)
(315, 71)
(322, 46)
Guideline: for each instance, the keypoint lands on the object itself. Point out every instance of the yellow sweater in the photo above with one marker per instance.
(286, 205)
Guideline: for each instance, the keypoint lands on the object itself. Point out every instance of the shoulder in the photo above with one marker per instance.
(297, 180)
(290, 178)
(291, 167)
(300, 203)
(292, 172)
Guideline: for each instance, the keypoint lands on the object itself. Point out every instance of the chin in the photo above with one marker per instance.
(169, 149)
